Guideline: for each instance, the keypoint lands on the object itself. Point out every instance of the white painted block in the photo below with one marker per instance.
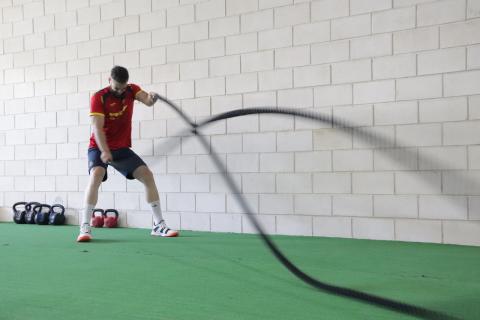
(181, 164)
(210, 202)
(180, 52)
(56, 38)
(352, 160)
(195, 183)
(153, 129)
(241, 43)
(416, 40)
(23, 184)
(67, 150)
(461, 133)
(295, 141)
(180, 15)
(311, 33)
(443, 207)
(474, 208)
(276, 162)
(353, 116)
(168, 183)
(441, 12)
(375, 229)
(461, 33)
(419, 135)
(333, 95)
(292, 57)
(14, 137)
(295, 225)
(292, 15)
(180, 90)
(403, 112)
(332, 227)
(350, 27)
(210, 87)
(89, 82)
(167, 36)
(35, 136)
(419, 88)
(312, 204)
(328, 9)
(210, 9)
(462, 83)
(34, 167)
(296, 98)
(218, 183)
(226, 223)
(276, 204)
(373, 183)
(331, 139)
(265, 4)
(259, 99)
(245, 162)
(257, 61)
(332, 183)
(166, 73)
(245, 124)
(441, 61)
(259, 142)
(241, 83)
(234, 7)
(330, 52)
(418, 231)
(474, 157)
(227, 143)
(440, 110)
(66, 183)
(393, 20)
(352, 205)
(32, 10)
(226, 103)
(194, 31)
(257, 21)
(44, 183)
(395, 206)
(461, 182)
(224, 27)
(195, 221)
(234, 206)
(138, 41)
(258, 183)
(126, 25)
(398, 66)
(446, 158)
(135, 7)
(461, 232)
(474, 107)
(180, 202)
(417, 183)
(371, 46)
(364, 6)
(294, 183)
(267, 223)
(224, 65)
(14, 75)
(310, 76)
(277, 38)
(45, 119)
(274, 80)
(153, 21)
(398, 159)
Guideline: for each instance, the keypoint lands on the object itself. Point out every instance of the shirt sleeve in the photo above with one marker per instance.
(135, 89)
(96, 105)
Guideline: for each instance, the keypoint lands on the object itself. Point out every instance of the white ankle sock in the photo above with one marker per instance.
(156, 211)
(87, 214)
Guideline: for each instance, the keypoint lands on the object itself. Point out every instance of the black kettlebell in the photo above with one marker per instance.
(30, 213)
(42, 213)
(19, 211)
(57, 217)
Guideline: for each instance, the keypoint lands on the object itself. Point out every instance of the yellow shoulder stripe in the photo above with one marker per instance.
(97, 114)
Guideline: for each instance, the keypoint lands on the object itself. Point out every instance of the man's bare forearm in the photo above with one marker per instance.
(101, 139)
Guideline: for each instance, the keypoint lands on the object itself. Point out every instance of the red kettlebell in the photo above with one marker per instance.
(97, 220)
(111, 221)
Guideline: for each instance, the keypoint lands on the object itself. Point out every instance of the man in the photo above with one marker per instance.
(111, 111)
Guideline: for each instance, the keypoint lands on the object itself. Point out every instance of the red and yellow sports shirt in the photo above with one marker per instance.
(118, 116)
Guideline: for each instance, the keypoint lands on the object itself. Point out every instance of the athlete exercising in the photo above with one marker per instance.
(111, 111)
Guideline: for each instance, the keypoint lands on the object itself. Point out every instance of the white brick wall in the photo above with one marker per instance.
(405, 71)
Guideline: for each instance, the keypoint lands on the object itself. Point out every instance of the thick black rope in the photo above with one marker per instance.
(386, 303)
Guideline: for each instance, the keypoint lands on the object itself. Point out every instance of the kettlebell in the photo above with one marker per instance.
(111, 221)
(57, 215)
(97, 221)
(42, 213)
(19, 212)
(30, 213)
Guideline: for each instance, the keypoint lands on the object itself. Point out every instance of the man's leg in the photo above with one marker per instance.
(145, 176)
(91, 197)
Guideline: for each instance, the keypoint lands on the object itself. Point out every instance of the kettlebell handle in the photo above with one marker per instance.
(30, 205)
(111, 211)
(38, 208)
(62, 209)
(98, 210)
(22, 203)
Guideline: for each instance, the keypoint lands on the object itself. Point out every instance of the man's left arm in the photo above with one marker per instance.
(148, 99)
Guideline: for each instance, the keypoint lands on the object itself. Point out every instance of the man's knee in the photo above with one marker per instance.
(143, 174)
(96, 175)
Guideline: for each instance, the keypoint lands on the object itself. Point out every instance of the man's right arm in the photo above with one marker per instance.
(100, 138)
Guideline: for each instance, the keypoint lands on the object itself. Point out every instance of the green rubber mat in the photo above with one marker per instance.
(127, 274)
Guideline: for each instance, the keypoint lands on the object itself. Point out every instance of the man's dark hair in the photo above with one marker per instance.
(119, 74)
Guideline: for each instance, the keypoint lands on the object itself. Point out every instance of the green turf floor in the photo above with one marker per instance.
(127, 274)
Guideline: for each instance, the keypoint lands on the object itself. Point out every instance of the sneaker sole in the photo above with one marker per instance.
(84, 238)
(171, 235)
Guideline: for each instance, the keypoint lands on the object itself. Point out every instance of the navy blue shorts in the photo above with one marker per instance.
(125, 161)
